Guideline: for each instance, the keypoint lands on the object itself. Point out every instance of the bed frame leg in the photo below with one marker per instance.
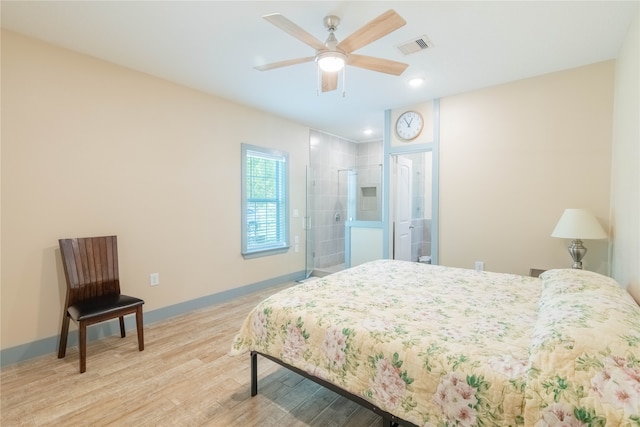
(254, 373)
(388, 422)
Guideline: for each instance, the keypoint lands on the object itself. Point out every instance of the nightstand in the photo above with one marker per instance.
(534, 272)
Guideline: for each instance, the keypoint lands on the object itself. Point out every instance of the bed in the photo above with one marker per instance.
(427, 345)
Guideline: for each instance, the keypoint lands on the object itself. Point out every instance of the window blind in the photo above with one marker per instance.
(265, 200)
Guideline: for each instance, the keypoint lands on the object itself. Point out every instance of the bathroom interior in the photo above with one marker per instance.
(344, 183)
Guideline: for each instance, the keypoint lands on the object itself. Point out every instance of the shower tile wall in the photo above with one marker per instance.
(369, 164)
(328, 155)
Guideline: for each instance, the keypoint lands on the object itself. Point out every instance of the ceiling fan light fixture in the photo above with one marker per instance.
(331, 61)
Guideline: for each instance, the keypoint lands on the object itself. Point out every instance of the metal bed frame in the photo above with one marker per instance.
(388, 420)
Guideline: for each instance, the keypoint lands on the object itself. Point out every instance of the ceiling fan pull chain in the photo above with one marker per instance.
(344, 81)
(318, 80)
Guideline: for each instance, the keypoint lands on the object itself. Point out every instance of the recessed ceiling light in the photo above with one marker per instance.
(368, 131)
(416, 82)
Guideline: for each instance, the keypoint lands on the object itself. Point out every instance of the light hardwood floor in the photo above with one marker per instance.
(184, 377)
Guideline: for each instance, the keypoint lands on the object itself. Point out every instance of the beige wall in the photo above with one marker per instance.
(89, 148)
(513, 157)
(625, 176)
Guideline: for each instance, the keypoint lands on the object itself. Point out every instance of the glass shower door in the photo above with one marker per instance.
(309, 235)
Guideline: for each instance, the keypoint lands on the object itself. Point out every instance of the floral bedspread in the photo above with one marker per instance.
(441, 346)
(585, 353)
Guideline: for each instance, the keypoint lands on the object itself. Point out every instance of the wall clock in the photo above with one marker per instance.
(409, 125)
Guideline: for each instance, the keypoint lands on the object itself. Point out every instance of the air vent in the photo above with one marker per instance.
(415, 45)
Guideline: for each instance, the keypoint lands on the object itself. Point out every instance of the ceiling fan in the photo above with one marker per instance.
(331, 56)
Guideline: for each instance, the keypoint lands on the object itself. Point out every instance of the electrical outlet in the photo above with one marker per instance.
(479, 265)
(154, 279)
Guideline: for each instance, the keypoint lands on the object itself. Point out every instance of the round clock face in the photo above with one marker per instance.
(409, 125)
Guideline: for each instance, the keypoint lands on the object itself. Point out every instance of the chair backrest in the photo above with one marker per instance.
(90, 267)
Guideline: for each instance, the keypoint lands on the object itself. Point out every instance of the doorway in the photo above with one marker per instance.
(412, 202)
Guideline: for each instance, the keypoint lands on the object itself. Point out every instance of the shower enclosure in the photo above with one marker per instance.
(344, 184)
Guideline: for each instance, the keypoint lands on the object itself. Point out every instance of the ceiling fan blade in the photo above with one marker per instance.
(286, 25)
(286, 63)
(379, 27)
(329, 81)
(377, 64)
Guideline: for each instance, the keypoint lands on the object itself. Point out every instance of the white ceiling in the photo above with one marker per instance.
(213, 46)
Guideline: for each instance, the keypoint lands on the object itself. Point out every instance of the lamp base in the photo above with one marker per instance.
(577, 251)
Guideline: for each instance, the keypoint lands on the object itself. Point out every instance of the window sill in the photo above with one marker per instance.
(265, 252)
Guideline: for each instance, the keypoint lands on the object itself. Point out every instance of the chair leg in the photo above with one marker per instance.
(139, 327)
(122, 331)
(62, 349)
(82, 334)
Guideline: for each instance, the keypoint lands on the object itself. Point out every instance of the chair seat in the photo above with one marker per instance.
(85, 310)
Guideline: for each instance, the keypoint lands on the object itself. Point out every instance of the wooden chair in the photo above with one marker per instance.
(93, 290)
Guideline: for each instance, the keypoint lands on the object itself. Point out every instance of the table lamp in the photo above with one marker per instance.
(578, 224)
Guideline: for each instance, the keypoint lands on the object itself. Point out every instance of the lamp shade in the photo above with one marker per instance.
(331, 61)
(578, 224)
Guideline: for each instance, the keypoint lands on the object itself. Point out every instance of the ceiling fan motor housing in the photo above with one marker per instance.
(331, 22)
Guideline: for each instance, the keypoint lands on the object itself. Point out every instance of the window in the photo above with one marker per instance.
(265, 201)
